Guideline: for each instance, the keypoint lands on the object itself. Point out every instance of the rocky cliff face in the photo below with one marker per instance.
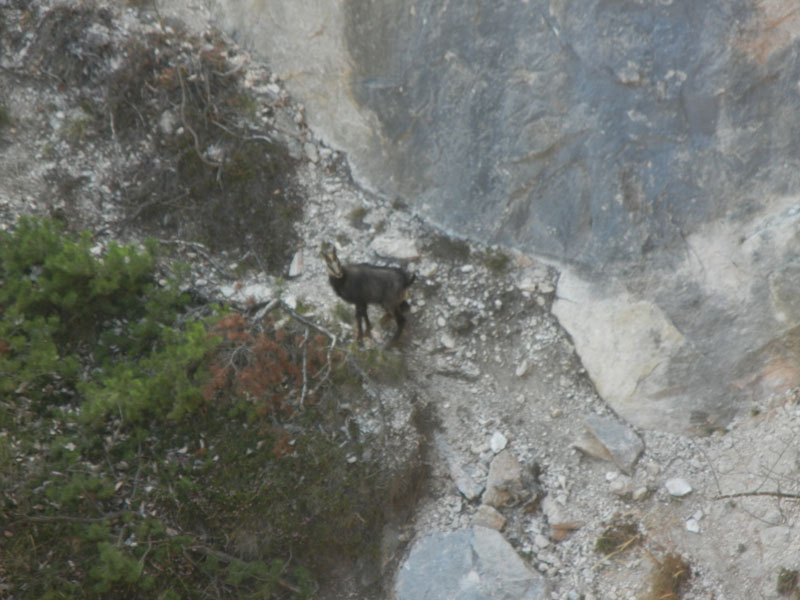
(649, 148)
(703, 318)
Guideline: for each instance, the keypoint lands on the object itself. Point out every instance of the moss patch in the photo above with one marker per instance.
(617, 537)
(787, 581)
(669, 578)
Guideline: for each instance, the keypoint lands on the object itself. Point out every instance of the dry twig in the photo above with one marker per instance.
(188, 127)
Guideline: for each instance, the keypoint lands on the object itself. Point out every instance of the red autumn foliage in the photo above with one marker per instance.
(263, 363)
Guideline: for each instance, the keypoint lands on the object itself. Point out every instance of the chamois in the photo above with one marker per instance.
(362, 284)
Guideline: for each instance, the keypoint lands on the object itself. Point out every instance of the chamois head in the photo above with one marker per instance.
(328, 252)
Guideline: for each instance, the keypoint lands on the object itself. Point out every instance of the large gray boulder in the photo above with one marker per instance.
(469, 564)
(649, 148)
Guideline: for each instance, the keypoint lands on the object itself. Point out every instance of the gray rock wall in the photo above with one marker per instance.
(650, 148)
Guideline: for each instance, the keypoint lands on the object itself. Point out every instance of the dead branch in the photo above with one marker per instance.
(305, 369)
(228, 558)
(67, 518)
(197, 149)
(202, 249)
(756, 493)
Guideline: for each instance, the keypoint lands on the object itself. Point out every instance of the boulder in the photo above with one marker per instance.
(504, 484)
(609, 439)
(475, 564)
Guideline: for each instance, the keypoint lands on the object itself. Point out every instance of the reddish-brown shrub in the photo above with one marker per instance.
(267, 365)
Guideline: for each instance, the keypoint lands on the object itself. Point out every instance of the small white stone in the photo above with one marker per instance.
(311, 152)
(677, 486)
(522, 369)
(653, 469)
(546, 288)
(692, 526)
(620, 486)
(296, 267)
(498, 442)
(291, 301)
(448, 342)
(541, 541)
(167, 122)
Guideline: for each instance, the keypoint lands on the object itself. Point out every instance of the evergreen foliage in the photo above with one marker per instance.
(152, 451)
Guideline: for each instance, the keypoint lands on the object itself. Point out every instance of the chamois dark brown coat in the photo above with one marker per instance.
(363, 284)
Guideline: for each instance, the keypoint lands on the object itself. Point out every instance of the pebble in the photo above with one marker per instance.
(498, 442)
(488, 516)
(610, 439)
(678, 487)
(296, 268)
(448, 341)
(621, 486)
(291, 301)
(504, 480)
(522, 369)
(653, 469)
(541, 541)
(311, 152)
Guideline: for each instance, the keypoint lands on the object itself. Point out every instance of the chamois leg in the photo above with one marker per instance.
(361, 313)
(389, 314)
(400, 318)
